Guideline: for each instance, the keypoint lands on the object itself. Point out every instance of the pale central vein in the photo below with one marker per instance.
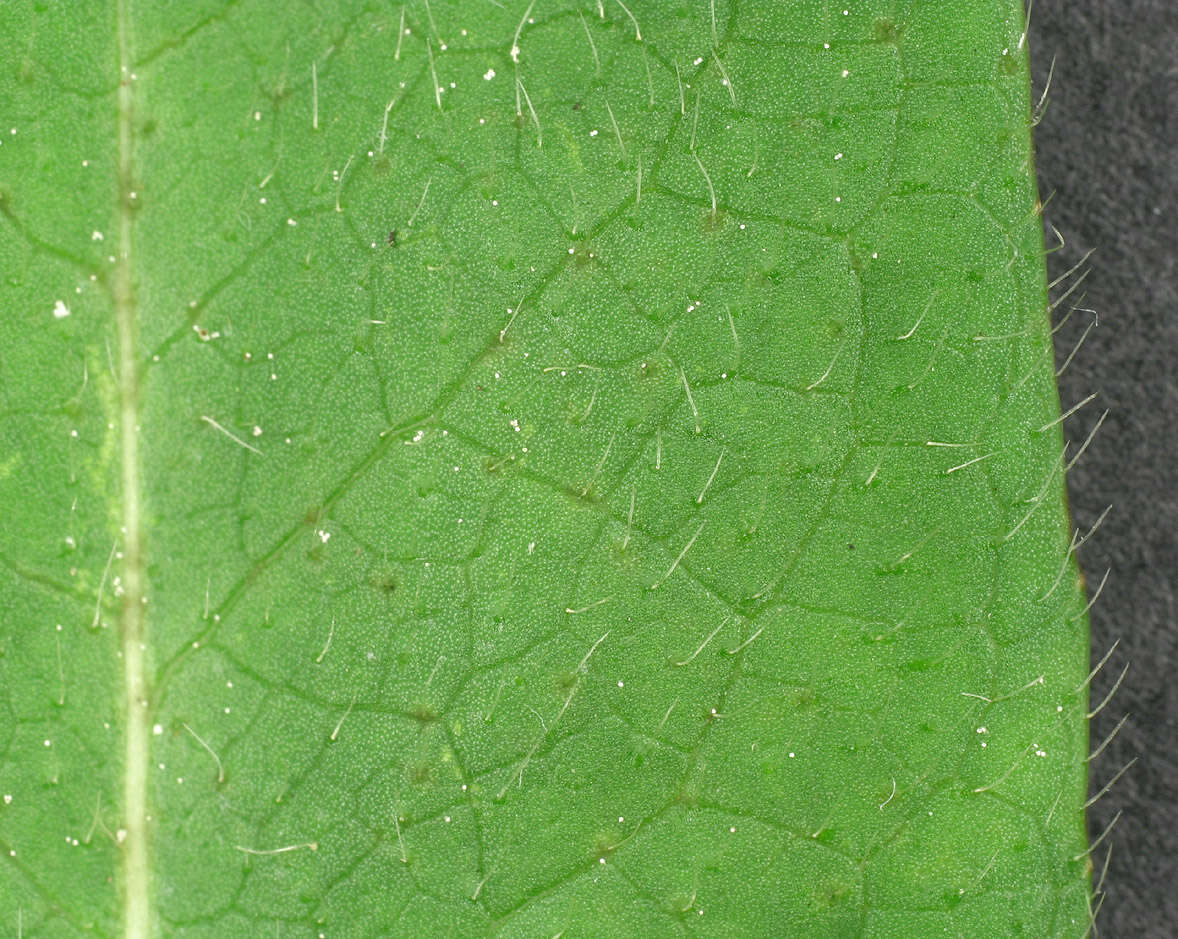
(135, 870)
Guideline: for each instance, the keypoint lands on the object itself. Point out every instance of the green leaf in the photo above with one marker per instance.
(499, 469)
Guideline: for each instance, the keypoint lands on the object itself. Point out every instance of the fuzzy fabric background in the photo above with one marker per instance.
(1108, 149)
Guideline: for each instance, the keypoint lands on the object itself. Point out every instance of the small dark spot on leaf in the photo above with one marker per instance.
(650, 368)
(583, 256)
(809, 127)
(747, 605)
(887, 30)
(804, 698)
(385, 582)
(495, 464)
(424, 713)
(587, 493)
(687, 797)
(393, 238)
(856, 258)
(830, 895)
(567, 681)
(826, 835)
(604, 844)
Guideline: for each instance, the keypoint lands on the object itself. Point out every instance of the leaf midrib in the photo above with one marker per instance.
(135, 895)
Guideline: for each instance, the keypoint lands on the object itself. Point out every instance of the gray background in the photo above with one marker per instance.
(1108, 148)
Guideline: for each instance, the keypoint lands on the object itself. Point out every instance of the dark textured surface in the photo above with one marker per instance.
(1107, 148)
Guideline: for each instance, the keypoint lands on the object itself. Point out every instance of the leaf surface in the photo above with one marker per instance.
(487, 469)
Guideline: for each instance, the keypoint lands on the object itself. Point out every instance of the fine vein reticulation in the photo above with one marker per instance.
(533, 468)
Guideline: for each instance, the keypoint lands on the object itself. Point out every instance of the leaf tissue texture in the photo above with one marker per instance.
(530, 469)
